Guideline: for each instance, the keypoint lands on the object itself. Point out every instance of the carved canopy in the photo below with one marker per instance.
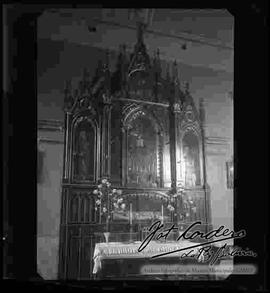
(134, 125)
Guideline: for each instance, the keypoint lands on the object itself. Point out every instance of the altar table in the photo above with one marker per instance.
(117, 250)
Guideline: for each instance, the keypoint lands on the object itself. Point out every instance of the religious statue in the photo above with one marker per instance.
(83, 155)
(189, 167)
(142, 154)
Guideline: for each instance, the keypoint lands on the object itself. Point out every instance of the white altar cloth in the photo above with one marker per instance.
(117, 250)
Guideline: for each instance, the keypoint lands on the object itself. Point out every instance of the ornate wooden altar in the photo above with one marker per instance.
(140, 130)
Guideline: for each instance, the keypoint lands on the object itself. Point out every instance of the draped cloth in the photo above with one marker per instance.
(117, 250)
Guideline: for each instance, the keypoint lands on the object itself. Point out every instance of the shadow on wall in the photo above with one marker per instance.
(40, 164)
(47, 257)
(49, 169)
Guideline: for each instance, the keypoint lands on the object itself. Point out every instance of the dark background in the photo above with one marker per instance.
(251, 146)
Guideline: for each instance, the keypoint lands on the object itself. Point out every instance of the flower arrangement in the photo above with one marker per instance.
(108, 200)
(187, 205)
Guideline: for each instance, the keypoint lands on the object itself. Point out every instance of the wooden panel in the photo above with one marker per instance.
(87, 250)
(74, 208)
(116, 139)
(62, 252)
(81, 207)
(73, 262)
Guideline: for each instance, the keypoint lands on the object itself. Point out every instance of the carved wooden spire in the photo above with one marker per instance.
(176, 81)
(140, 28)
(202, 111)
(106, 64)
(84, 85)
(140, 59)
(156, 72)
(168, 76)
(68, 99)
(107, 73)
(157, 63)
(175, 73)
(186, 87)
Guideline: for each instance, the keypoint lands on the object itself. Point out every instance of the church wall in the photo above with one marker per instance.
(50, 164)
(221, 196)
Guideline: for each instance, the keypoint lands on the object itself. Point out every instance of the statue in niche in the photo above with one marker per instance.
(142, 153)
(189, 173)
(115, 159)
(84, 155)
(191, 164)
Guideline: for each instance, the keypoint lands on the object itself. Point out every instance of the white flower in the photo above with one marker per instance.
(99, 186)
(119, 200)
(108, 184)
(114, 190)
(123, 206)
(170, 207)
(115, 205)
(104, 210)
(98, 202)
(191, 202)
(95, 191)
(95, 208)
(187, 214)
(104, 181)
(119, 192)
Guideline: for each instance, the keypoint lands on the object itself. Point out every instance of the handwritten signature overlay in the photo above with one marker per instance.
(205, 249)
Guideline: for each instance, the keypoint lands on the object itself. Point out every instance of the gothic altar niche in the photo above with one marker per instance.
(139, 128)
(84, 152)
(191, 160)
(144, 145)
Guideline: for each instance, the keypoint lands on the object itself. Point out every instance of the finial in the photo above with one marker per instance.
(175, 72)
(186, 87)
(105, 65)
(140, 28)
(107, 56)
(85, 74)
(168, 77)
(202, 110)
(68, 86)
(158, 53)
(202, 102)
(68, 99)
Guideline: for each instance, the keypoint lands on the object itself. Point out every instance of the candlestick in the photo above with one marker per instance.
(130, 214)
(100, 213)
(162, 219)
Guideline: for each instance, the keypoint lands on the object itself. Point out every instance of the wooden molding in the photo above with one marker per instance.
(51, 125)
(217, 140)
(49, 140)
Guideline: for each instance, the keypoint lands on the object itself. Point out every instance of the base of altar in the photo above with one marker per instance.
(143, 269)
(124, 261)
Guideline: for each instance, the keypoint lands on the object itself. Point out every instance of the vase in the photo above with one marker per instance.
(106, 235)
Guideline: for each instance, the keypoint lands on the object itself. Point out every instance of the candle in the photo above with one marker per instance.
(130, 214)
(100, 213)
(162, 220)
